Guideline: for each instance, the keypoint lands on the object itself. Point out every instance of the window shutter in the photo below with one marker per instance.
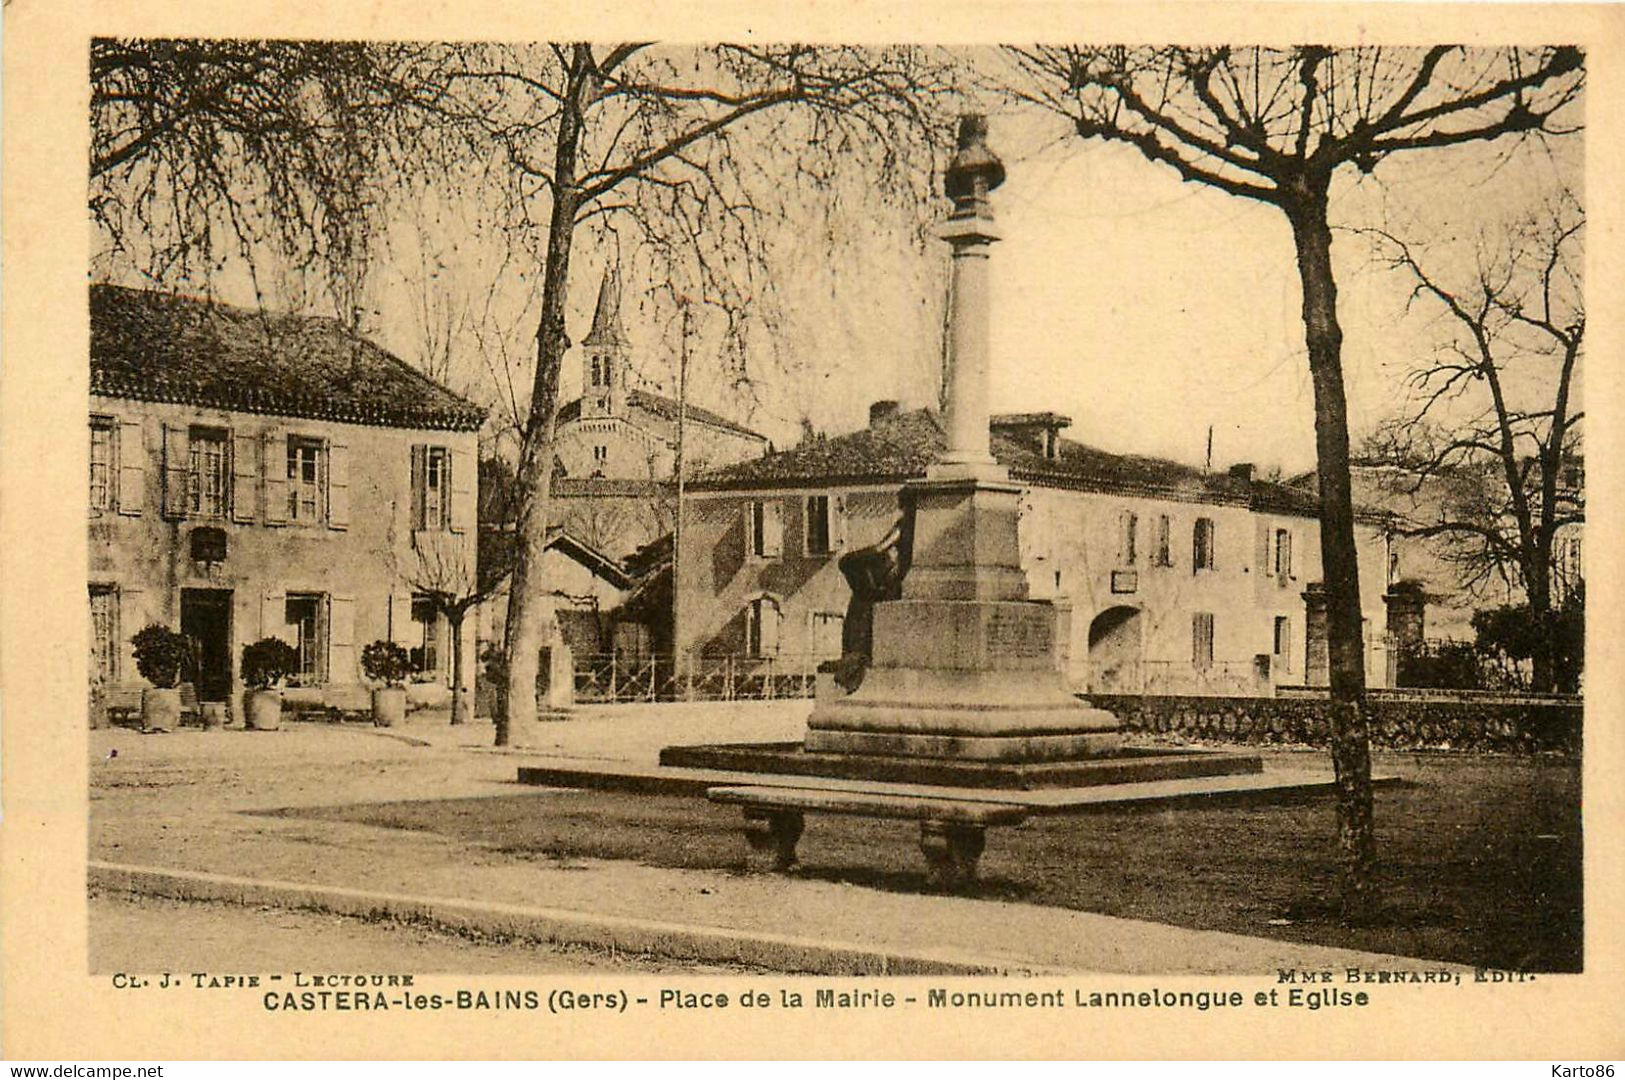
(338, 486)
(1212, 544)
(1286, 554)
(177, 471)
(464, 478)
(245, 477)
(400, 620)
(274, 473)
(1263, 553)
(132, 467)
(420, 457)
(837, 522)
(341, 655)
(773, 528)
(133, 615)
(274, 616)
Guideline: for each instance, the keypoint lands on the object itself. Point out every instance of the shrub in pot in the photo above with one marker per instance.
(265, 664)
(386, 662)
(161, 654)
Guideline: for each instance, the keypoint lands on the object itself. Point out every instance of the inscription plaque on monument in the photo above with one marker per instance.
(1019, 634)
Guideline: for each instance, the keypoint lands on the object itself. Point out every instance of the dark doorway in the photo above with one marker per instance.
(206, 619)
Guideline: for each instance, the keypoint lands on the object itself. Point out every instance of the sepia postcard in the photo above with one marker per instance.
(1006, 530)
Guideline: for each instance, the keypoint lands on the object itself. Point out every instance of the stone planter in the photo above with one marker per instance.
(263, 710)
(160, 708)
(389, 706)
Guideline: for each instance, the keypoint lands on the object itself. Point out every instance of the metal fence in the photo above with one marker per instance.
(613, 677)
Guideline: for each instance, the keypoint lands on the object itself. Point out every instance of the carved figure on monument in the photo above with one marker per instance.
(874, 574)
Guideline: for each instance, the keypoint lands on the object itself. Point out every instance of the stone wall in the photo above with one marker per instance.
(1521, 726)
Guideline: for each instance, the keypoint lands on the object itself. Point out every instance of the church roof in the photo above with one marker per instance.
(164, 347)
(665, 409)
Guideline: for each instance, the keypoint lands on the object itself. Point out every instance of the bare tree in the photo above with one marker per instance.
(207, 150)
(1495, 413)
(1276, 126)
(630, 134)
(456, 576)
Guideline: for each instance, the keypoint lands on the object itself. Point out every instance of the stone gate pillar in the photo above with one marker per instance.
(1317, 656)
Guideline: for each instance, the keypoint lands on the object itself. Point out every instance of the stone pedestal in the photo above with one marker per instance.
(964, 665)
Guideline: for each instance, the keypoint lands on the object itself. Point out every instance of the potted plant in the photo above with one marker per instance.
(265, 664)
(386, 662)
(161, 654)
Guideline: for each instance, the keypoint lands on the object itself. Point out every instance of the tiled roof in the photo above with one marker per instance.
(589, 487)
(666, 409)
(155, 346)
(901, 447)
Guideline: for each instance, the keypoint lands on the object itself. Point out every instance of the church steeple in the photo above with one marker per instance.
(603, 381)
(606, 318)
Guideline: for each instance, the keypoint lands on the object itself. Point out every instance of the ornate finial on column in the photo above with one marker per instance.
(975, 170)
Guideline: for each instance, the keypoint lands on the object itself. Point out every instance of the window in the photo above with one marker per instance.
(762, 627)
(303, 614)
(307, 480)
(765, 522)
(1282, 647)
(1164, 552)
(101, 464)
(425, 651)
(104, 637)
(598, 371)
(1283, 553)
(819, 531)
(600, 455)
(209, 473)
(431, 488)
(1202, 537)
(826, 634)
(1202, 639)
(1128, 525)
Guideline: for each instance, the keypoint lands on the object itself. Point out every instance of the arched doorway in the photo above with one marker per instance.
(1114, 651)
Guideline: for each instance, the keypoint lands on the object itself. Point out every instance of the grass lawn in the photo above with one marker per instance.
(1479, 856)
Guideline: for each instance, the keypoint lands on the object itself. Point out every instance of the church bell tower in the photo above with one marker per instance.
(603, 377)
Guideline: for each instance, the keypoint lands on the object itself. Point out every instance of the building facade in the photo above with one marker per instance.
(260, 475)
(1168, 579)
(616, 446)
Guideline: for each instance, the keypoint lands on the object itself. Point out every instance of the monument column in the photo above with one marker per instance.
(964, 667)
(973, 173)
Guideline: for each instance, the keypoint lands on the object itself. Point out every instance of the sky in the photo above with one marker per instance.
(1146, 309)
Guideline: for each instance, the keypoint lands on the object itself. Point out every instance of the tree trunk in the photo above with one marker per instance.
(527, 621)
(1350, 736)
(1543, 655)
(459, 702)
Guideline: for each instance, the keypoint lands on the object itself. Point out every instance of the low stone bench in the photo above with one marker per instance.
(952, 832)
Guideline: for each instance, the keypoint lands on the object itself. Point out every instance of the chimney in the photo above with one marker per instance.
(1242, 471)
(881, 411)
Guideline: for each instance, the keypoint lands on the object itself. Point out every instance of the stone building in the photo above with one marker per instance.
(267, 475)
(616, 446)
(1169, 579)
